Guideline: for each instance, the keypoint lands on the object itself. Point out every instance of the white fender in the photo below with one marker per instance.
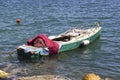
(85, 42)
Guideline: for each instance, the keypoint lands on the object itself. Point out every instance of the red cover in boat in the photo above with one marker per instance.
(51, 45)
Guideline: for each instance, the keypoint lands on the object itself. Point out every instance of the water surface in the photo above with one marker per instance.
(52, 17)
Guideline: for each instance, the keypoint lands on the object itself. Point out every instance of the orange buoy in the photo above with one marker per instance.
(18, 20)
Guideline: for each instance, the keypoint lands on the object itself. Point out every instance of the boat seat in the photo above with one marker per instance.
(64, 38)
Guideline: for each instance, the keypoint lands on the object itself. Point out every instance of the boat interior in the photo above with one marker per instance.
(67, 36)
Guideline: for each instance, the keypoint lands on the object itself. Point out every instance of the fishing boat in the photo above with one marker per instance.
(68, 40)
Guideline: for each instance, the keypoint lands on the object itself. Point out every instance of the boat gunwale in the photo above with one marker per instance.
(80, 39)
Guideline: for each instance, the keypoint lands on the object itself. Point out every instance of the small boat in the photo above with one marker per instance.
(68, 40)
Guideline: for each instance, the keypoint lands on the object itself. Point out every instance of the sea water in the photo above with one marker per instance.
(52, 17)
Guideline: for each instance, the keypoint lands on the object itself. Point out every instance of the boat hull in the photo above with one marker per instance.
(77, 43)
(69, 45)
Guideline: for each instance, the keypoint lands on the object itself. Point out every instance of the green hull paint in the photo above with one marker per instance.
(70, 46)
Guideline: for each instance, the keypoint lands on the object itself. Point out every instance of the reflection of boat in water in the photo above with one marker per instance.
(68, 40)
(91, 48)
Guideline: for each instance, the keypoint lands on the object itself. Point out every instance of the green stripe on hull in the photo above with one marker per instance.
(70, 46)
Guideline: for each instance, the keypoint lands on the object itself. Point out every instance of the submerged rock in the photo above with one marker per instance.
(3, 74)
(91, 76)
(44, 77)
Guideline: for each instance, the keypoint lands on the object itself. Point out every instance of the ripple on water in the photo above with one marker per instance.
(54, 17)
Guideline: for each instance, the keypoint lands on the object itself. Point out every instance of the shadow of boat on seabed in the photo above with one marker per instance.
(95, 45)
